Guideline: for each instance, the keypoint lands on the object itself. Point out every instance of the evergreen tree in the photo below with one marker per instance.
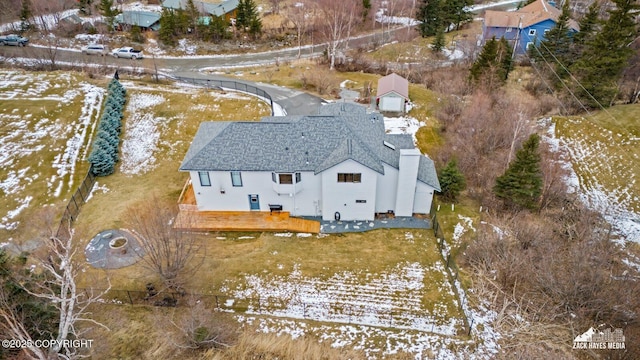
(605, 57)
(136, 34)
(521, 184)
(554, 51)
(25, 16)
(451, 180)
(217, 29)
(429, 15)
(241, 15)
(101, 158)
(588, 25)
(109, 12)
(366, 7)
(438, 42)
(167, 27)
(493, 64)
(455, 12)
(247, 17)
(193, 15)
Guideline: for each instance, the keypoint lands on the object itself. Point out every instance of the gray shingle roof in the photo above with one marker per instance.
(301, 143)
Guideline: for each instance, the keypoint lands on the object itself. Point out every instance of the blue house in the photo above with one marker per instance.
(524, 27)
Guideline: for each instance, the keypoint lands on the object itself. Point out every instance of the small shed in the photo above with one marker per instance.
(393, 93)
(146, 20)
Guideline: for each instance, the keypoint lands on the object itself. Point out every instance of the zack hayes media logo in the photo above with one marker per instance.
(597, 339)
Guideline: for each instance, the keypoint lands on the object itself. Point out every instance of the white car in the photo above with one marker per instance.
(95, 49)
(127, 53)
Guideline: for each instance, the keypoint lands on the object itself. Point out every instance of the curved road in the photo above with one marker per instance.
(292, 101)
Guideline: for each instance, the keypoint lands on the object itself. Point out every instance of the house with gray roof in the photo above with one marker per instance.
(339, 164)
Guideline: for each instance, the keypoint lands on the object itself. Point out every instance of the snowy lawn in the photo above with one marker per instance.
(46, 121)
(606, 165)
(384, 291)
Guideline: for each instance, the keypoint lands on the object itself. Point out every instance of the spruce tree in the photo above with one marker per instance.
(167, 27)
(605, 57)
(109, 12)
(555, 47)
(521, 184)
(438, 42)
(101, 158)
(25, 16)
(429, 14)
(455, 13)
(451, 180)
(493, 64)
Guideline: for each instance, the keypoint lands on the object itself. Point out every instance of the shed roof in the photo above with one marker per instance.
(393, 83)
(534, 13)
(301, 143)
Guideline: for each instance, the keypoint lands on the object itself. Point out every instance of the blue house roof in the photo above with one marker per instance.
(524, 26)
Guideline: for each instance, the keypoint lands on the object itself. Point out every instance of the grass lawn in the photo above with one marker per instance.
(604, 156)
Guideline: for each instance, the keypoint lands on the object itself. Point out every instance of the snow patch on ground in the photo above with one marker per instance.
(142, 134)
(402, 125)
(615, 204)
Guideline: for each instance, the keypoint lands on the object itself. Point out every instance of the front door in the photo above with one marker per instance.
(254, 202)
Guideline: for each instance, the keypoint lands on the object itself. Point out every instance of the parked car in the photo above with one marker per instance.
(127, 53)
(13, 40)
(95, 49)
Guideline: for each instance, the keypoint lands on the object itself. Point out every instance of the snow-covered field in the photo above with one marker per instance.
(380, 313)
(43, 137)
(602, 170)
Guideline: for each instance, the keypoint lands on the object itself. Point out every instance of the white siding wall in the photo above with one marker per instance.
(341, 197)
(210, 198)
(391, 102)
(407, 178)
(386, 189)
(423, 198)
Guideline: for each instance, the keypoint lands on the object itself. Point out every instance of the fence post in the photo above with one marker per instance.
(470, 327)
(217, 304)
(130, 299)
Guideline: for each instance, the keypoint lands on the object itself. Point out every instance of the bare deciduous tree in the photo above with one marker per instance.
(337, 17)
(170, 253)
(299, 15)
(57, 286)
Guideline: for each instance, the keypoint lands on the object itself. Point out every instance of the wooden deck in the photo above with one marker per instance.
(243, 221)
(189, 218)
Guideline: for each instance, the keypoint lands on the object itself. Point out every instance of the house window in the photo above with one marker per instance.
(204, 178)
(532, 32)
(236, 178)
(298, 177)
(286, 178)
(529, 45)
(508, 30)
(546, 31)
(349, 178)
(361, 201)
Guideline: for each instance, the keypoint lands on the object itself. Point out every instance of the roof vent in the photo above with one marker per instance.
(349, 146)
(389, 145)
(286, 148)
